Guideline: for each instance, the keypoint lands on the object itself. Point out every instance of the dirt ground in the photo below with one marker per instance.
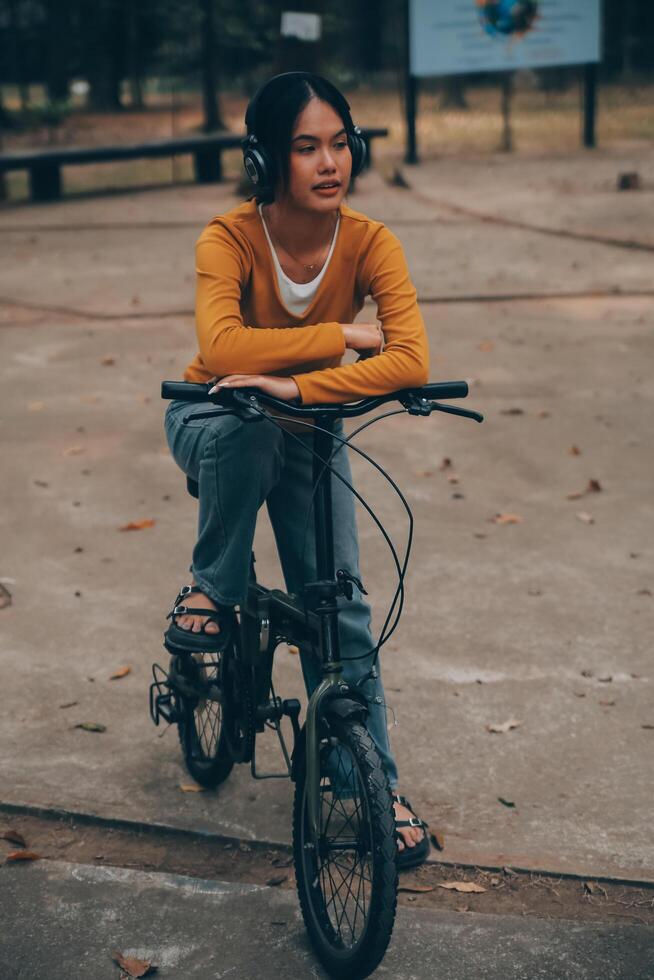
(543, 123)
(506, 892)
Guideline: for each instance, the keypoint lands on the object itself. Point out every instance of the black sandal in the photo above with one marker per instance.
(410, 856)
(177, 640)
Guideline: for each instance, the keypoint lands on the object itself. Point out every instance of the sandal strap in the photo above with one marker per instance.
(193, 611)
(411, 822)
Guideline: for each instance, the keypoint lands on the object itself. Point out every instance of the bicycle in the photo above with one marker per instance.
(344, 848)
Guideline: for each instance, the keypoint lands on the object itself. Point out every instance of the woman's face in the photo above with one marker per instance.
(319, 154)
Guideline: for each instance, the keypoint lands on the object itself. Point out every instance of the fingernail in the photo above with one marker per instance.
(212, 391)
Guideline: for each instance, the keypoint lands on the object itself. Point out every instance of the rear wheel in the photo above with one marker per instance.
(201, 723)
(347, 886)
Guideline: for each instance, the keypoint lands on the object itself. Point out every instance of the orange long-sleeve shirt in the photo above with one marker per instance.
(243, 327)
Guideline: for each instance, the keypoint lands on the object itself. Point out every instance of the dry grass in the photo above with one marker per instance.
(543, 123)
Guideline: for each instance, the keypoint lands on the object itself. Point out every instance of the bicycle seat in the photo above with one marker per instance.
(192, 487)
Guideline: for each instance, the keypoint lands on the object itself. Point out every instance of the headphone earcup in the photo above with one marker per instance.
(257, 163)
(359, 151)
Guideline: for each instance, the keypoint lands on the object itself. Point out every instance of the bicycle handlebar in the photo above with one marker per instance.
(417, 401)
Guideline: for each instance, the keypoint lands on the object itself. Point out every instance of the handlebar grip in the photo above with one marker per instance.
(444, 389)
(187, 391)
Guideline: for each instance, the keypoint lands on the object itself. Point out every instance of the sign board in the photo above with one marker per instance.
(450, 37)
(305, 26)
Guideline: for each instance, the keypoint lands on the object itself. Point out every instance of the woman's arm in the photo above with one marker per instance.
(226, 344)
(404, 361)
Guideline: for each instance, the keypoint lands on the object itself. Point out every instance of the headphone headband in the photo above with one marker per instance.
(259, 165)
(309, 76)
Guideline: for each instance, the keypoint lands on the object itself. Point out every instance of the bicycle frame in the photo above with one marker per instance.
(315, 618)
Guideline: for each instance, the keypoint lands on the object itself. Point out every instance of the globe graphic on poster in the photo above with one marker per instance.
(506, 18)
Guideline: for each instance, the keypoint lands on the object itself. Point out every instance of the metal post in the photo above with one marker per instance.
(411, 109)
(410, 93)
(590, 103)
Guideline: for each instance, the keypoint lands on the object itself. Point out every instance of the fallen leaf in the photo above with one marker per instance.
(575, 494)
(108, 361)
(68, 704)
(486, 345)
(586, 673)
(649, 728)
(640, 592)
(452, 477)
(587, 518)
(480, 534)
(534, 592)
(506, 519)
(137, 525)
(512, 411)
(594, 486)
(606, 704)
(462, 886)
(282, 862)
(543, 413)
(605, 680)
(5, 596)
(14, 837)
(22, 856)
(438, 839)
(418, 889)
(424, 472)
(40, 483)
(191, 788)
(579, 694)
(91, 726)
(74, 451)
(277, 880)
(121, 672)
(132, 966)
(505, 726)
(506, 802)
(446, 463)
(574, 451)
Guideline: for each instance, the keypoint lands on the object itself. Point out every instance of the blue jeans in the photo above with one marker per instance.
(239, 465)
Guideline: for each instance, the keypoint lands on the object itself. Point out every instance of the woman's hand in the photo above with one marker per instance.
(367, 338)
(284, 388)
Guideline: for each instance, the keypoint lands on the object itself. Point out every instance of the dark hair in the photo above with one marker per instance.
(277, 109)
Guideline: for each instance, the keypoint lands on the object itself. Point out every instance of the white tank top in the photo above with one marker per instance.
(297, 296)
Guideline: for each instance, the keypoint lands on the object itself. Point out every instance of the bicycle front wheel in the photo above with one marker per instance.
(347, 885)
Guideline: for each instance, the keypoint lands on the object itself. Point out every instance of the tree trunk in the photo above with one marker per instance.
(133, 60)
(58, 49)
(212, 119)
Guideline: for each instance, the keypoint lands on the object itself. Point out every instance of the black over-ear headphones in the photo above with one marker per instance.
(258, 162)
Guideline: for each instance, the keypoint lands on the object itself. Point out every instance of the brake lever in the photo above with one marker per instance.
(423, 406)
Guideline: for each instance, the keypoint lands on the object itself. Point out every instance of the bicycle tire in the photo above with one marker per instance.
(376, 841)
(209, 762)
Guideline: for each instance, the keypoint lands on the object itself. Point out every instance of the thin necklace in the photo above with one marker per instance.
(313, 265)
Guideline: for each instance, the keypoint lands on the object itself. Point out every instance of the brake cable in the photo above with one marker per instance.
(401, 570)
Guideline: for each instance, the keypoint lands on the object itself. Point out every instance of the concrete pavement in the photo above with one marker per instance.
(547, 621)
(64, 921)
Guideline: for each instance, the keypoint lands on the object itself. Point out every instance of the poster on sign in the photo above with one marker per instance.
(464, 36)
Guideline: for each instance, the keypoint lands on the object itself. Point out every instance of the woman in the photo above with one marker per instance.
(280, 278)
